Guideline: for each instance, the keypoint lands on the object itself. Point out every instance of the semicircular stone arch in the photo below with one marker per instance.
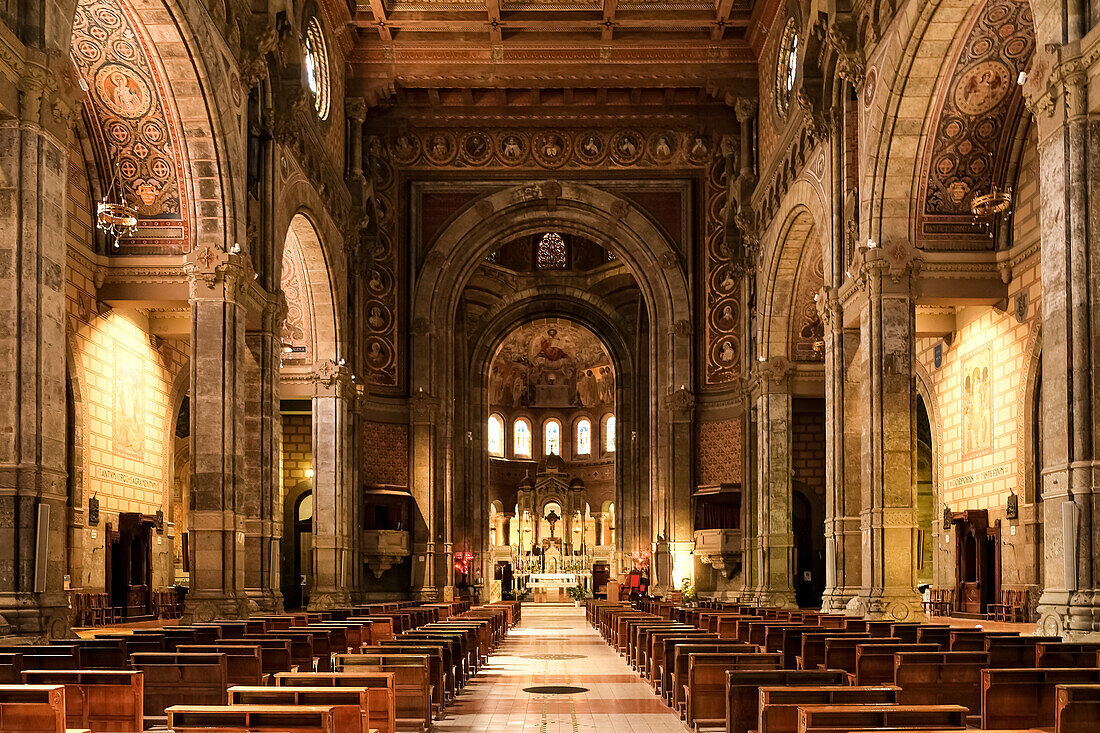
(312, 327)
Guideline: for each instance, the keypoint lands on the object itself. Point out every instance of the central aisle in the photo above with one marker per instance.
(538, 652)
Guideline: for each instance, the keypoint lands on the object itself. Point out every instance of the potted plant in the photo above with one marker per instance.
(687, 593)
(578, 594)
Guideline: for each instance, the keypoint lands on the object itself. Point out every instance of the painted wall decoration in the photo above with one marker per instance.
(130, 123)
(298, 327)
(977, 417)
(551, 363)
(807, 330)
(722, 358)
(979, 109)
(718, 452)
(687, 151)
(385, 454)
(128, 426)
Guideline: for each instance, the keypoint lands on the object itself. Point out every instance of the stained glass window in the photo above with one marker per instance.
(496, 436)
(584, 437)
(787, 68)
(521, 438)
(551, 254)
(609, 434)
(316, 63)
(551, 438)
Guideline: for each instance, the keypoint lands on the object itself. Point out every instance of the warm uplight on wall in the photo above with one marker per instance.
(309, 473)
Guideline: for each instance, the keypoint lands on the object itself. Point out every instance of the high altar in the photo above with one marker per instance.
(557, 539)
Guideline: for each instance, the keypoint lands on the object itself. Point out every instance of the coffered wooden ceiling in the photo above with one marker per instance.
(706, 45)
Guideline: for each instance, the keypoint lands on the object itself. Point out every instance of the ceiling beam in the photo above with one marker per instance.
(378, 10)
(609, 8)
(492, 7)
(722, 13)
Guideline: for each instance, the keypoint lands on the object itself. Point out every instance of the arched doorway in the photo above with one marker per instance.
(642, 313)
(551, 447)
(298, 571)
(926, 502)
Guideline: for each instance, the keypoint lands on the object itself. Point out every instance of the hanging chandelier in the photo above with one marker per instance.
(997, 201)
(116, 220)
(992, 203)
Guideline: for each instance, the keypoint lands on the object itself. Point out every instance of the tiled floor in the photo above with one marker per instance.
(617, 699)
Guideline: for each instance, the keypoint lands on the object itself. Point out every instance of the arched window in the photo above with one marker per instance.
(584, 437)
(551, 252)
(786, 68)
(496, 436)
(316, 62)
(521, 438)
(551, 438)
(609, 434)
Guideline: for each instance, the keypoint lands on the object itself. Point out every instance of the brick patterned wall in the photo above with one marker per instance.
(982, 478)
(385, 454)
(124, 379)
(808, 443)
(297, 449)
(718, 452)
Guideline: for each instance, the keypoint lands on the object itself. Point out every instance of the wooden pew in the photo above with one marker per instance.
(813, 646)
(743, 691)
(927, 678)
(704, 691)
(358, 697)
(281, 718)
(32, 709)
(180, 679)
(847, 718)
(102, 699)
(1063, 654)
(379, 685)
(1026, 698)
(1077, 708)
(413, 691)
(973, 640)
(660, 643)
(875, 662)
(11, 668)
(674, 664)
(439, 678)
(1014, 651)
(840, 652)
(275, 654)
(243, 665)
(779, 705)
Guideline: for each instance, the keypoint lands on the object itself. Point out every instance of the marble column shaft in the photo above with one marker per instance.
(332, 489)
(33, 163)
(216, 524)
(888, 496)
(773, 582)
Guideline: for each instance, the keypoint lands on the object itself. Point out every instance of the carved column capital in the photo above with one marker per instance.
(332, 379)
(896, 260)
(214, 274)
(746, 108)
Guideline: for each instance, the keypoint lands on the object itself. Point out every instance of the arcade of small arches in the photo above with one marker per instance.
(325, 304)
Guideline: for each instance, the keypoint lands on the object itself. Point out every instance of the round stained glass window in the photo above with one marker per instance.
(787, 68)
(317, 71)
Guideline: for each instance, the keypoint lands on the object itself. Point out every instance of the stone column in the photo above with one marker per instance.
(332, 489)
(263, 502)
(885, 277)
(423, 438)
(33, 163)
(218, 487)
(1058, 96)
(772, 582)
(843, 540)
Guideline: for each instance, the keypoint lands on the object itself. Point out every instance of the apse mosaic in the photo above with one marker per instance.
(134, 132)
(979, 111)
(551, 364)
